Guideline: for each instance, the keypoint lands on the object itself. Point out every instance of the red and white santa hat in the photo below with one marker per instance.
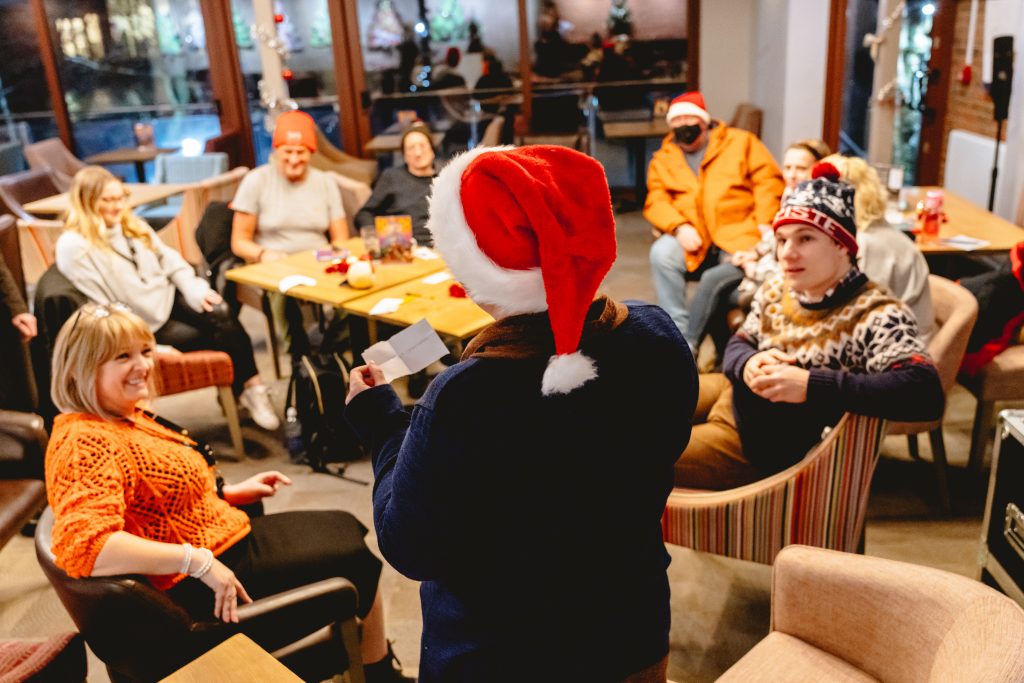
(690, 103)
(527, 230)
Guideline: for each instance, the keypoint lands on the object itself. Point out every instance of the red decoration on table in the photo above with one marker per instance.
(340, 267)
(278, 18)
(965, 75)
(287, 74)
(457, 291)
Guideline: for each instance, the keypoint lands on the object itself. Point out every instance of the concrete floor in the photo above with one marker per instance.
(720, 607)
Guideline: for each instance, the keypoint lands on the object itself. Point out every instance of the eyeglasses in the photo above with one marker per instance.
(100, 311)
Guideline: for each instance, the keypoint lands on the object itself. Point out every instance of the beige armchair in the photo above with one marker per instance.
(354, 195)
(839, 617)
(329, 158)
(956, 311)
(180, 233)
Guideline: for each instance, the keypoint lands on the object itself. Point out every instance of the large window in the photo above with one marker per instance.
(26, 114)
(128, 61)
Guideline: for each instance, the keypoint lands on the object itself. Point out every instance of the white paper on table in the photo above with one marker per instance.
(290, 281)
(964, 242)
(386, 305)
(409, 351)
(437, 277)
(424, 253)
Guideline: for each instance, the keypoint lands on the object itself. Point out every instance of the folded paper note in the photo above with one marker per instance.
(290, 281)
(964, 242)
(437, 277)
(386, 305)
(409, 351)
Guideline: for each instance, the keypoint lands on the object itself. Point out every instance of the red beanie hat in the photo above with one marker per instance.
(295, 128)
(691, 103)
(526, 230)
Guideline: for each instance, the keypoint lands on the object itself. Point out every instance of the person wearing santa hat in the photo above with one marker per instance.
(710, 187)
(533, 474)
(286, 206)
(821, 340)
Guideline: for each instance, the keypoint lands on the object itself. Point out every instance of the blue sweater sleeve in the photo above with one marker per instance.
(737, 352)
(909, 391)
(413, 499)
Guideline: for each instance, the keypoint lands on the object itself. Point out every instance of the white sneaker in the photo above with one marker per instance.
(257, 401)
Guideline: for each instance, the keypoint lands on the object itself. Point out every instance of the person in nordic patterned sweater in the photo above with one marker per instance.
(821, 340)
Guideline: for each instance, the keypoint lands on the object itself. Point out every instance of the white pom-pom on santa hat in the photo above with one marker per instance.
(521, 243)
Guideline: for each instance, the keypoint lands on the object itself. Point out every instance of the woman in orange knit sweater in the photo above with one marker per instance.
(133, 494)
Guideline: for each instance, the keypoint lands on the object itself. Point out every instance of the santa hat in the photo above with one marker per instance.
(688, 104)
(526, 230)
(295, 128)
(824, 202)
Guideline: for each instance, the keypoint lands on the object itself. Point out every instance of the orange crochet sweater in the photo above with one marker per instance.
(140, 477)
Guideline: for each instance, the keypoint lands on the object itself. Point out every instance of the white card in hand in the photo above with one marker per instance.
(409, 351)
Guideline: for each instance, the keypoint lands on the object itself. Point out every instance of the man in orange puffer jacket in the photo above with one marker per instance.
(709, 188)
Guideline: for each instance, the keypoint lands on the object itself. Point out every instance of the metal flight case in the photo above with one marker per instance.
(1001, 556)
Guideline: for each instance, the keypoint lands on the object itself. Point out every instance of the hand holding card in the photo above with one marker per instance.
(362, 378)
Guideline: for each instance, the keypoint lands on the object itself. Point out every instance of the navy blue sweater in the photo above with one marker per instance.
(534, 522)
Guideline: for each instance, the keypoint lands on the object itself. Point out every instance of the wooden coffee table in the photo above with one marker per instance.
(237, 660)
(966, 218)
(130, 155)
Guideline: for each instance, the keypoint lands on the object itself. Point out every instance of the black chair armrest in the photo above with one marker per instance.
(22, 444)
(278, 620)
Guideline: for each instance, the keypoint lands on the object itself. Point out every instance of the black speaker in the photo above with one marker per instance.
(1002, 75)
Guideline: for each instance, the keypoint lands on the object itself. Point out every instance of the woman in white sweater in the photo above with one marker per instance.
(111, 255)
(885, 254)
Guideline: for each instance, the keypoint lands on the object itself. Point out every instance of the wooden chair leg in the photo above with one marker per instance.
(983, 415)
(350, 639)
(268, 313)
(941, 468)
(912, 447)
(227, 400)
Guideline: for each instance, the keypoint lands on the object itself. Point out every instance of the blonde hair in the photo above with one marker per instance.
(84, 218)
(87, 340)
(818, 149)
(869, 196)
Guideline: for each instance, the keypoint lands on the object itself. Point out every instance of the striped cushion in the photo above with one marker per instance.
(820, 501)
(194, 370)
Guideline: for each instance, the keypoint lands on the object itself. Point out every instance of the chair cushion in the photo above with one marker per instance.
(60, 657)
(19, 500)
(193, 370)
(781, 658)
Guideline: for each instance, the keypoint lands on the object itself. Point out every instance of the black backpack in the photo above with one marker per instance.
(317, 392)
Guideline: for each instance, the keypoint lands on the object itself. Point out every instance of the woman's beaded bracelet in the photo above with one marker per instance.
(205, 567)
(187, 560)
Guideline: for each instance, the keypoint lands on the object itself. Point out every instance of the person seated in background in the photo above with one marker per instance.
(821, 340)
(403, 190)
(885, 254)
(552, 386)
(286, 206)
(132, 493)
(14, 390)
(709, 188)
(448, 76)
(109, 254)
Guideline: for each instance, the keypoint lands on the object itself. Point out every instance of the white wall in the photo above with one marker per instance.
(771, 53)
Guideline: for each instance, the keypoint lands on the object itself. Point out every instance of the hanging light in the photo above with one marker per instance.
(928, 9)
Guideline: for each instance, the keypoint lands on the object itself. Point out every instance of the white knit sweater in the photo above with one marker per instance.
(131, 273)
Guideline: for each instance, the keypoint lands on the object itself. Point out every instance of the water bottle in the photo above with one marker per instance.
(293, 434)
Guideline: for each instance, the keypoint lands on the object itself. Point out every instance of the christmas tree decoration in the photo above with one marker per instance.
(243, 33)
(287, 74)
(386, 27)
(320, 29)
(449, 23)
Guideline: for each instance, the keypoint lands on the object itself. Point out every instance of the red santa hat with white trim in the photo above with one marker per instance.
(689, 103)
(527, 230)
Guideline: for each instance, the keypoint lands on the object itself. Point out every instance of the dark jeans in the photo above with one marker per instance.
(188, 330)
(712, 298)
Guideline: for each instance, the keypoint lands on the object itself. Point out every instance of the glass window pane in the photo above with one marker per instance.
(124, 62)
(25, 111)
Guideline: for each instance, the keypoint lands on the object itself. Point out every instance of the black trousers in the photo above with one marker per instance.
(291, 549)
(189, 330)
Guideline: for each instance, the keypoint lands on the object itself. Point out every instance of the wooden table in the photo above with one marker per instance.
(131, 155)
(138, 194)
(237, 660)
(635, 133)
(450, 316)
(385, 143)
(330, 288)
(965, 218)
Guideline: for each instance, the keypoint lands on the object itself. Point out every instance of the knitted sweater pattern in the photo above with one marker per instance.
(139, 477)
(870, 333)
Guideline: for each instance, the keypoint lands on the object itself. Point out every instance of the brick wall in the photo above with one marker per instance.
(969, 107)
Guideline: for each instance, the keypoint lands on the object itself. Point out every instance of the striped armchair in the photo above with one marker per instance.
(820, 501)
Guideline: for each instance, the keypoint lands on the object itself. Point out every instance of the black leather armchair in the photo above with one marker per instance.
(143, 635)
(22, 492)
